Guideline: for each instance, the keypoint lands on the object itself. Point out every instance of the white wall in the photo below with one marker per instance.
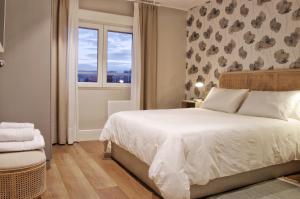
(171, 64)
(171, 57)
(92, 102)
(119, 7)
(93, 105)
(25, 79)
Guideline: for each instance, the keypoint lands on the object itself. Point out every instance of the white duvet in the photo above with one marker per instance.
(184, 147)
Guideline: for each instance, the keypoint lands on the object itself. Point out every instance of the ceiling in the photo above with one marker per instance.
(180, 4)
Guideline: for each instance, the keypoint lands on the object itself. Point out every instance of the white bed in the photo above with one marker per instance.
(190, 153)
(184, 147)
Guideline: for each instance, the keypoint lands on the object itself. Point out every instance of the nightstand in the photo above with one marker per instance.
(197, 103)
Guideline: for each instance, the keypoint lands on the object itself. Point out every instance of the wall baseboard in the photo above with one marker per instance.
(88, 135)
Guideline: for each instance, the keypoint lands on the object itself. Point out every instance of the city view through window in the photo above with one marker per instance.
(118, 56)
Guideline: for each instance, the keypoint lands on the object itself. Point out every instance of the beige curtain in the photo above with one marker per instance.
(59, 93)
(148, 28)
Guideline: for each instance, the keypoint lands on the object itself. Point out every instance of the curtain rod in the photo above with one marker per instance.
(146, 2)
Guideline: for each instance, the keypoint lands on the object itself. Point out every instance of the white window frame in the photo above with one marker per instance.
(104, 22)
(116, 29)
(99, 82)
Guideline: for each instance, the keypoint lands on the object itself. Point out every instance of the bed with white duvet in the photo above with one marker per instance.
(185, 147)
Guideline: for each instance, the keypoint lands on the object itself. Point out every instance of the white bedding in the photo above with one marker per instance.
(184, 147)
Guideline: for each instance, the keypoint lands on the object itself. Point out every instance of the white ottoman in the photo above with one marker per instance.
(22, 174)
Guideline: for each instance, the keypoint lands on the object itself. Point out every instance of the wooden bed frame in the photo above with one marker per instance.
(273, 80)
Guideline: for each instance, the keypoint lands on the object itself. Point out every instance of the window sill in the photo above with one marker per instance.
(103, 88)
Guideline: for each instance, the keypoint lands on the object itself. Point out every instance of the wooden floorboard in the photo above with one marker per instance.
(74, 179)
(55, 186)
(79, 171)
(112, 193)
(295, 178)
(92, 171)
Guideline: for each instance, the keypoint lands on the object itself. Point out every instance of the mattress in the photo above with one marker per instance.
(178, 143)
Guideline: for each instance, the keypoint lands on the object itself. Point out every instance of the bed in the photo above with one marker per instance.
(181, 153)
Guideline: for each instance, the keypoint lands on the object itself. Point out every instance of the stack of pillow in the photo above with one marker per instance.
(20, 137)
(270, 104)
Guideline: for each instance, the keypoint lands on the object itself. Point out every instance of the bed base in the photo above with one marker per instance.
(140, 170)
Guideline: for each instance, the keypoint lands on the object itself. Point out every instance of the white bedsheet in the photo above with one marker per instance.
(193, 146)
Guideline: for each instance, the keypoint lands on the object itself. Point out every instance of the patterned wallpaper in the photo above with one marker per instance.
(236, 35)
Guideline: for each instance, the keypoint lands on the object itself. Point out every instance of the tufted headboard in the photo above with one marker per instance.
(271, 80)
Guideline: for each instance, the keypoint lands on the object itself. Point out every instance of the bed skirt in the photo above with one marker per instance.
(140, 170)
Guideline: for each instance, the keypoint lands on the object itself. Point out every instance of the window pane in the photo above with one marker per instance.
(119, 57)
(87, 55)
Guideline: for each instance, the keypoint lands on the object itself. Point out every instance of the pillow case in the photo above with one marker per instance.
(272, 104)
(295, 114)
(225, 100)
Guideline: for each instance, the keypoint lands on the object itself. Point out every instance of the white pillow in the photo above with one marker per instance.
(272, 104)
(226, 100)
(296, 111)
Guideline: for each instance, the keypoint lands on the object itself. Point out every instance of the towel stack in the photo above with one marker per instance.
(20, 137)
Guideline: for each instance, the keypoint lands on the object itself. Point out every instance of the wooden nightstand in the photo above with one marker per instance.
(197, 103)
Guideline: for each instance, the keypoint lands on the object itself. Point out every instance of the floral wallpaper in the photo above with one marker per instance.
(236, 35)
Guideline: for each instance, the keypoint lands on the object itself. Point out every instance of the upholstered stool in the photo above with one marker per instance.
(22, 174)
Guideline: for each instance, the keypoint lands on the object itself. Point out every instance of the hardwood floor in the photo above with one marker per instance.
(78, 171)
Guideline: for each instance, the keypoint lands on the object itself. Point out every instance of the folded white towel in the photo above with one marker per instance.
(37, 143)
(14, 125)
(16, 135)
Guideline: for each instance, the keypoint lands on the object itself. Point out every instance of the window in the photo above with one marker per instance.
(119, 57)
(87, 55)
(104, 55)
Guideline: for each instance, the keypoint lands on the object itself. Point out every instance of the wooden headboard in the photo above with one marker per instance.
(271, 80)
